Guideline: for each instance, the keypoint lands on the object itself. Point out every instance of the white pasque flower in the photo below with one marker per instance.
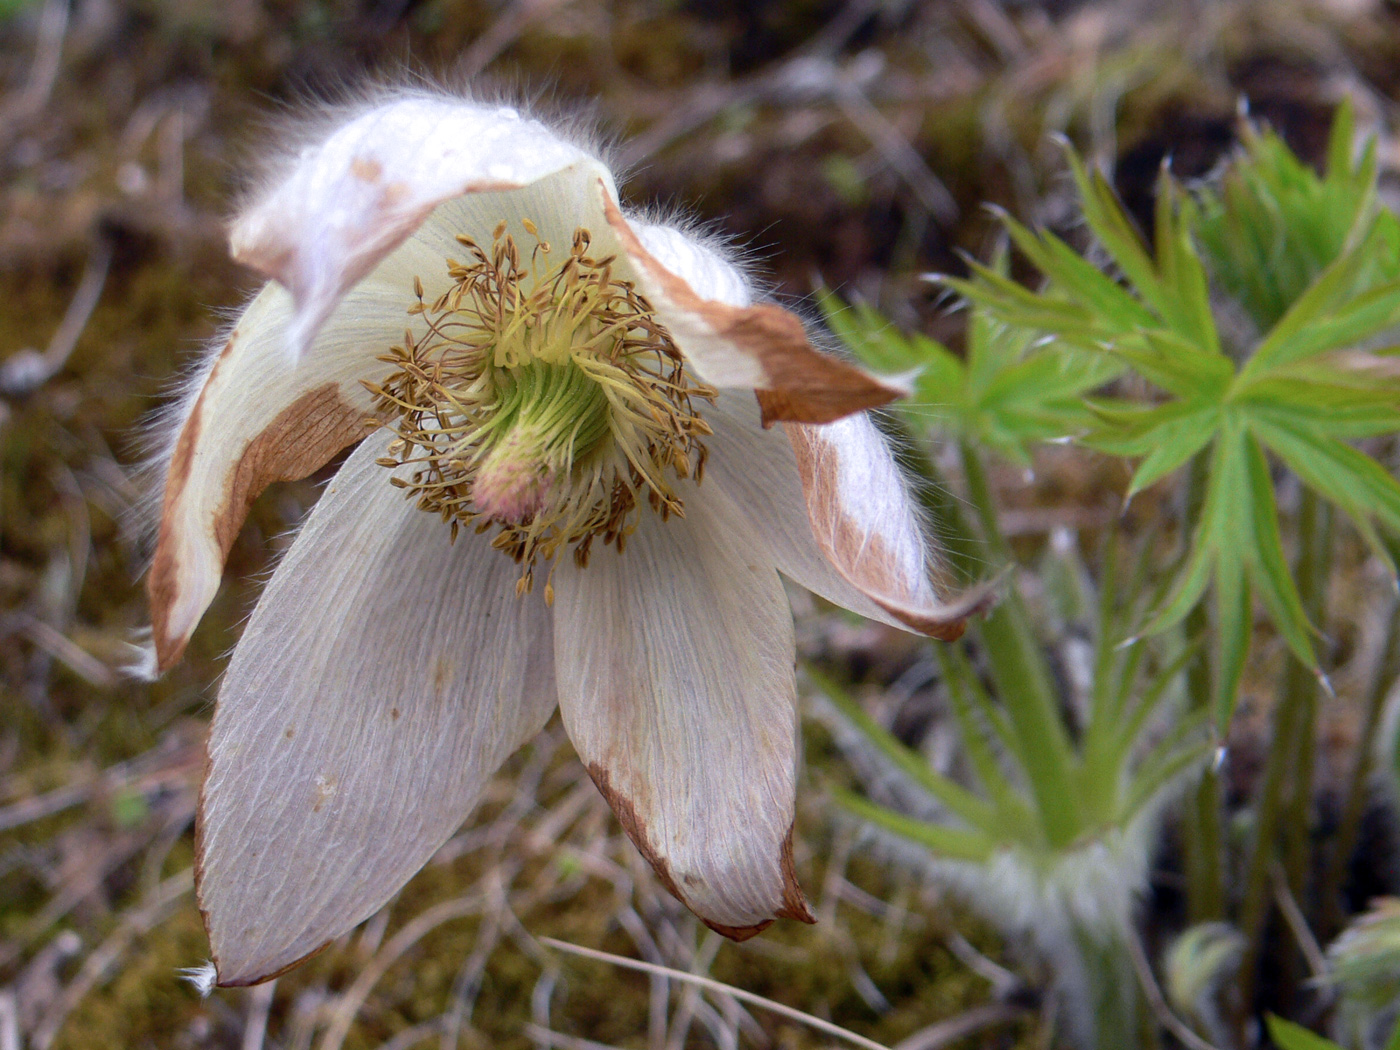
(455, 287)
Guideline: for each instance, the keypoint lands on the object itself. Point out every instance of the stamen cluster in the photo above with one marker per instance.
(545, 399)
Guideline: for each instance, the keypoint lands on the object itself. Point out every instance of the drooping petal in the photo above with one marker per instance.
(831, 506)
(734, 342)
(383, 678)
(675, 668)
(348, 201)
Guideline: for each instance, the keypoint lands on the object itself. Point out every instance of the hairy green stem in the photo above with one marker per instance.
(1291, 748)
(1354, 808)
(1024, 680)
(1204, 839)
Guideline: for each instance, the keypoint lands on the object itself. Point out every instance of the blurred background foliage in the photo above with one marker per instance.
(849, 146)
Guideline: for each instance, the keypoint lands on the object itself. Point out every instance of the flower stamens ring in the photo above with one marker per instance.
(542, 397)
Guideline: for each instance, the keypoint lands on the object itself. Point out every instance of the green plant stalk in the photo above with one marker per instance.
(1119, 1017)
(1024, 681)
(1354, 808)
(1294, 718)
(1204, 837)
(1317, 525)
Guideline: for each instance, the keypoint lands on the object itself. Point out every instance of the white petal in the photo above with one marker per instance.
(383, 678)
(732, 342)
(348, 201)
(835, 513)
(675, 668)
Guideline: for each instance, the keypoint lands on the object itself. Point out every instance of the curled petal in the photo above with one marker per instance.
(675, 668)
(253, 420)
(383, 678)
(732, 342)
(836, 515)
(347, 202)
(867, 528)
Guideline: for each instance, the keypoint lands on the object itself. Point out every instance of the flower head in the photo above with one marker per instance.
(568, 492)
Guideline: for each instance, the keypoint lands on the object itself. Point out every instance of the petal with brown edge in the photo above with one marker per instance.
(385, 675)
(867, 529)
(731, 342)
(351, 199)
(675, 667)
(254, 420)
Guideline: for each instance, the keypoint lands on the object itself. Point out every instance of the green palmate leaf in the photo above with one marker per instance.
(1269, 567)
(1237, 543)
(1182, 272)
(1114, 230)
(1014, 304)
(1337, 400)
(1166, 436)
(1349, 478)
(1334, 314)
(1233, 624)
(1010, 393)
(1272, 225)
(946, 842)
(960, 802)
(1289, 1036)
(1081, 279)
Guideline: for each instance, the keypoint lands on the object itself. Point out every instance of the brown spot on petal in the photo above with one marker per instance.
(862, 556)
(800, 383)
(366, 169)
(300, 440)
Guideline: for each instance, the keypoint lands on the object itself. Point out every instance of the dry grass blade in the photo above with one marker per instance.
(721, 988)
(344, 1011)
(945, 1033)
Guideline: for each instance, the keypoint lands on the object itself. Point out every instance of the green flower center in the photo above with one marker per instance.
(543, 399)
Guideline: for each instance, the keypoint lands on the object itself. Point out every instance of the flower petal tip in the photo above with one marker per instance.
(827, 391)
(946, 622)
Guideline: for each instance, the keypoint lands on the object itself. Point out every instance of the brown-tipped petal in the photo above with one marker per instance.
(348, 201)
(732, 342)
(835, 513)
(675, 668)
(254, 420)
(383, 678)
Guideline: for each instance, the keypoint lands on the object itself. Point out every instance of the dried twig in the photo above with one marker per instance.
(26, 370)
(721, 988)
(1168, 1020)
